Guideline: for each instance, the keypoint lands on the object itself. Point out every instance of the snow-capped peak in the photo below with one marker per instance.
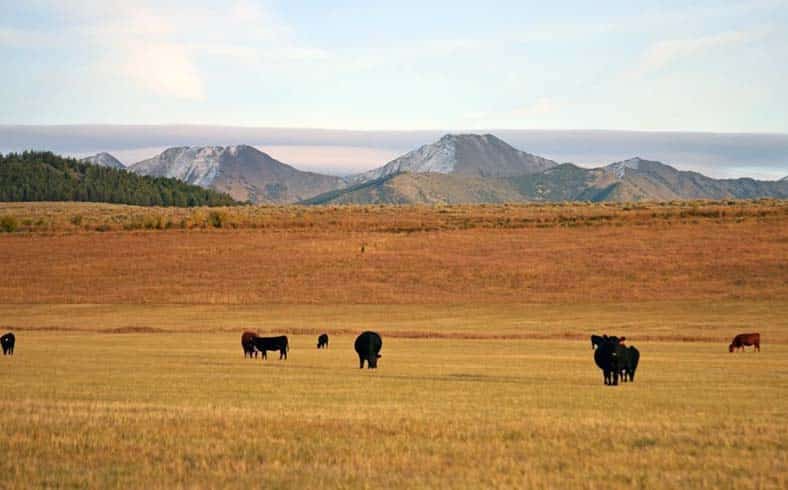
(468, 154)
(438, 157)
(620, 168)
(104, 159)
(196, 165)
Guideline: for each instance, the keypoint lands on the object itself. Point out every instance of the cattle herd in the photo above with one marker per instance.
(367, 346)
(611, 354)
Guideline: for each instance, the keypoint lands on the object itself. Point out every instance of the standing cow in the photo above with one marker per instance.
(322, 341)
(630, 364)
(247, 342)
(7, 341)
(616, 360)
(605, 359)
(743, 339)
(264, 344)
(368, 346)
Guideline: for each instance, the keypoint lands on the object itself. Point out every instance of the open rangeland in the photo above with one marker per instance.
(165, 410)
(128, 369)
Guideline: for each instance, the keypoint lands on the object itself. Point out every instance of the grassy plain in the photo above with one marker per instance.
(128, 370)
(177, 410)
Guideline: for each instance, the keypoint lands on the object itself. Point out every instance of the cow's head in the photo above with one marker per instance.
(730, 348)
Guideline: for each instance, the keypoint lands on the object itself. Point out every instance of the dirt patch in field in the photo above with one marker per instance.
(119, 330)
(136, 330)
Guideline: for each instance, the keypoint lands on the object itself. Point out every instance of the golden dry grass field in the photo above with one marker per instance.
(128, 369)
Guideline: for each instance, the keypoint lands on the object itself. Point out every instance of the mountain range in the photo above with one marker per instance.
(465, 168)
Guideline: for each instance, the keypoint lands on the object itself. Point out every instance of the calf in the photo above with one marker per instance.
(630, 364)
(322, 341)
(264, 344)
(743, 339)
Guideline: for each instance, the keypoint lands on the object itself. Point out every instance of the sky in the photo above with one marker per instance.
(709, 66)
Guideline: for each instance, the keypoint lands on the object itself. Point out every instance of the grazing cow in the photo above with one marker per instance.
(264, 344)
(322, 341)
(743, 339)
(368, 346)
(8, 340)
(247, 342)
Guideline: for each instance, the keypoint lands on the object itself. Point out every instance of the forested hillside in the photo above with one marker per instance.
(44, 176)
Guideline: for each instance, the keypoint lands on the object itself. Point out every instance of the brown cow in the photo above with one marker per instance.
(247, 342)
(743, 339)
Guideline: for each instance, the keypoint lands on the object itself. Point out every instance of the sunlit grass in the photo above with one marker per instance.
(166, 410)
(129, 371)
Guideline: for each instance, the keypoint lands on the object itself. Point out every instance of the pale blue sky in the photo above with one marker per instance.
(704, 66)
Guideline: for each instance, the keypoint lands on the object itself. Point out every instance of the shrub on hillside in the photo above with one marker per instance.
(8, 224)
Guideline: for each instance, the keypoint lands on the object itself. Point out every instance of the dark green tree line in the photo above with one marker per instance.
(44, 176)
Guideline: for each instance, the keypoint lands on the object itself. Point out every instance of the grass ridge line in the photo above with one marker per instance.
(347, 331)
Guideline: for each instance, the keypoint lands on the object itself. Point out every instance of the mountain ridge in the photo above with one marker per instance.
(242, 171)
(634, 179)
(466, 154)
(104, 159)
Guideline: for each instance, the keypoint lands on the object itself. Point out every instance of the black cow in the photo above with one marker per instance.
(630, 364)
(368, 346)
(605, 359)
(247, 342)
(616, 360)
(264, 344)
(7, 341)
(322, 341)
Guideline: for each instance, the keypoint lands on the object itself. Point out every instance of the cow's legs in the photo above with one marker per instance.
(360, 362)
